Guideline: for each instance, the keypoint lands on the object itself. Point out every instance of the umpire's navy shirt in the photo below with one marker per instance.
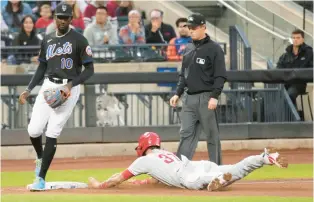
(203, 68)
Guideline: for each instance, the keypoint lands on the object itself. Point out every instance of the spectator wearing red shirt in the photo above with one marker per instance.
(45, 19)
(112, 6)
(90, 11)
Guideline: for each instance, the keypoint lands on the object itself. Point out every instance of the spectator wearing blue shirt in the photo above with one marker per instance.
(14, 12)
(177, 45)
(3, 3)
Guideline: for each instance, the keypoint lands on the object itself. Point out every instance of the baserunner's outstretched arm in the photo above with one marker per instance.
(145, 181)
(117, 179)
(113, 181)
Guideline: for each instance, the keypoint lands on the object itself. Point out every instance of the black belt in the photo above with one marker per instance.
(58, 80)
(198, 92)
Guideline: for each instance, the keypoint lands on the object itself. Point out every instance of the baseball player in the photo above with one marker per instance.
(167, 168)
(61, 57)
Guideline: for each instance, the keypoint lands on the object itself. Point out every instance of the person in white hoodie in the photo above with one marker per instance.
(101, 31)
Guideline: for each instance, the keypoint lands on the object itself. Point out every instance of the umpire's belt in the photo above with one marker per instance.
(59, 81)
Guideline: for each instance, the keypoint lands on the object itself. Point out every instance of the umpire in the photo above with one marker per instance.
(203, 74)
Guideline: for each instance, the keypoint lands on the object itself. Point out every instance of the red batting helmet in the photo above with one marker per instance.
(147, 140)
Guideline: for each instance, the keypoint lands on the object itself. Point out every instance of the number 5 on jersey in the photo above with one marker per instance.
(66, 63)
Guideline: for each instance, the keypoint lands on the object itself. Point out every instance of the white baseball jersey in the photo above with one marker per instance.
(169, 169)
(161, 165)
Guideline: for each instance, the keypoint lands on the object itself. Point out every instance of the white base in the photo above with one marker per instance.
(62, 185)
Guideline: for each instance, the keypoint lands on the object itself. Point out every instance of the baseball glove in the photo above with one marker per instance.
(55, 97)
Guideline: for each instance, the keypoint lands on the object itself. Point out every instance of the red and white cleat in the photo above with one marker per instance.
(219, 182)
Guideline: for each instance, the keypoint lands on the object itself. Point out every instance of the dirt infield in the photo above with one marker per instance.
(283, 188)
(295, 187)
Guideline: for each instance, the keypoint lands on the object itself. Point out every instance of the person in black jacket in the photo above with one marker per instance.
(297, 55)
(157, 31)
(203, 74)
(27, 37)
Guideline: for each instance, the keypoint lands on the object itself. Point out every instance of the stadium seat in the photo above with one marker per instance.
(41, 30)
(121, 55)
(79, 30)
(122, 20)
(147, 54)
(309, 105)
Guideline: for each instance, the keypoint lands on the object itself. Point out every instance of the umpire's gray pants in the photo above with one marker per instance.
(195, 118)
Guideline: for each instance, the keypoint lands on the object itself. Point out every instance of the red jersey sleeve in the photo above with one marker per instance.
(127, 174)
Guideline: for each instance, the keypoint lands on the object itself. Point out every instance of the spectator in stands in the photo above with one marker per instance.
(297, 55)
(53, 4)
(112, 6)
(77, 20)
(4, 3)
(83, 4)
(133, 32)
(124, 8)
(4, 26)
(6, 37)
(14, 12)
(177, 45)
(27, 36)
(45, 19)
(90, 11)
(157, 31)
(101, 32)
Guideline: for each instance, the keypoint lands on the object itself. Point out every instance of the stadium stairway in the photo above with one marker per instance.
(291, 12)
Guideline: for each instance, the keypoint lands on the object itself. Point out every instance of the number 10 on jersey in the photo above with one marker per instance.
(66, 63)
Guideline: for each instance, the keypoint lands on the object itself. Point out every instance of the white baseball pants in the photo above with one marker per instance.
(199, 173)
(56, 118)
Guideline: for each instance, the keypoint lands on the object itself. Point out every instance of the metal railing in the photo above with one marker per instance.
(290, 110)
(101, 53)
(149, 109)
(240, 54)
(270, 65)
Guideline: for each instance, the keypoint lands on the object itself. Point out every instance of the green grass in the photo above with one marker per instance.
(24, 178)
(267, 172)
(112, 198)
(273, 172)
